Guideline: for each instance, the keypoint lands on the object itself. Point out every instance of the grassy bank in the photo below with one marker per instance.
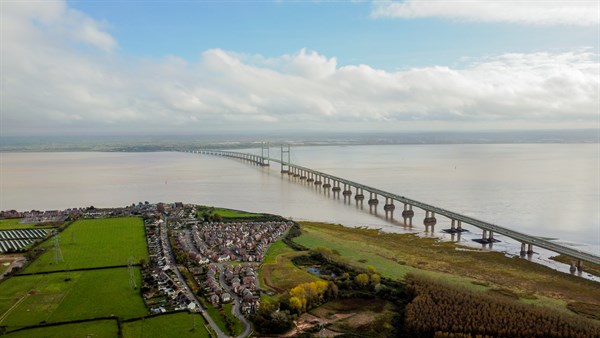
(395, 255)
(278, 273)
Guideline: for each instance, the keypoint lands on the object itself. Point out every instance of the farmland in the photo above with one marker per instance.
(170, 325)
(65, 296)
(97, 328)
(95, 243)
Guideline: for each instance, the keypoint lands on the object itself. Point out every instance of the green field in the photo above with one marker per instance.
(30, 300)
(168, 325)
(98, 328)
(228, 213)
(395, 255)
(95, 243)
(13, 223)
(278, 272)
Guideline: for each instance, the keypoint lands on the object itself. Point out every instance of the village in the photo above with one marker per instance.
(222, 258)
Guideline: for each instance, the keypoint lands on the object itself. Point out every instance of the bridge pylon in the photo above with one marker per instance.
(265, 148)
(285, 152)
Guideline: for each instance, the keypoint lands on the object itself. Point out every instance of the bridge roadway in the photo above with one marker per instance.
(519, 236)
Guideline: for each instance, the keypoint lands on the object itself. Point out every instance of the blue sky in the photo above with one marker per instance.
(121, 67)
(342, 29)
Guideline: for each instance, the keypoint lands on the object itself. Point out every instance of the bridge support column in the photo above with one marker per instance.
(529, 249)
(579, 265)
(296, 172)
(327, 183)
(359, 195)
(302, 175)
(491, 236)
(407, 214)
(429, 220)
(318, 179)
(347, 192)
(373, 199)
(336, 188)
(310, 177)
(389, 207)
(523, 251)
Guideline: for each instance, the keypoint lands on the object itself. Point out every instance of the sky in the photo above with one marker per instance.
(194, 67)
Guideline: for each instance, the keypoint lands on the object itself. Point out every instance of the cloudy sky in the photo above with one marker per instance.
(150, 67)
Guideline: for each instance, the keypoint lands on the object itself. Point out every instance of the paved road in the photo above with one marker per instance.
(236, 305)
(171, 261)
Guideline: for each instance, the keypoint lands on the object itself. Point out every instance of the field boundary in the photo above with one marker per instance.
(75, 270)
(77, 321)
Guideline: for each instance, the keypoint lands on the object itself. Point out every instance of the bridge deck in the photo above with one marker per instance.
(519, 236)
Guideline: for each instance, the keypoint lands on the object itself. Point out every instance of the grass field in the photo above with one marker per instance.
(95, 243)
(168, 325)
(13, 223)
(278, 272)
(228, 213)
(30, 300)
(395, 255)
(98, 328)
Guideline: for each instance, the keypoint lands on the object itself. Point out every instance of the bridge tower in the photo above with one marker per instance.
(285, 165)
(265, 148)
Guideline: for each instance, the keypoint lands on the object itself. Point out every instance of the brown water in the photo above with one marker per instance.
(542, 189)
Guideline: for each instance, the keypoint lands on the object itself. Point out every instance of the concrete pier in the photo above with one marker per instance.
(373, 199)
(359, 195)
(347, 191)
(407, 214)
(318, 180)
(429, 220)
(327, 184)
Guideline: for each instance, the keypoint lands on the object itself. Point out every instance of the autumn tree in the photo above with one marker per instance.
(361, 280)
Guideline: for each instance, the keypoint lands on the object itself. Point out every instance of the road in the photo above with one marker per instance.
(171, 261)
(236, 305)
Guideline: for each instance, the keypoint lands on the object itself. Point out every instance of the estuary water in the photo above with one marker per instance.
(549, 190)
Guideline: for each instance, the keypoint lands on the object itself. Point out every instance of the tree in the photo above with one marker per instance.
(361, 280)
(296, 304)
(375, 279)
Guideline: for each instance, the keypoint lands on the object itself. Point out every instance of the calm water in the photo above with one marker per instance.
(546, 190)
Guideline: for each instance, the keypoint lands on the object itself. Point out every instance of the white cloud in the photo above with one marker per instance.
(50, 84)
(532, 12)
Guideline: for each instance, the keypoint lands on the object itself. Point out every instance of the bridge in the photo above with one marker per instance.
(335, 184)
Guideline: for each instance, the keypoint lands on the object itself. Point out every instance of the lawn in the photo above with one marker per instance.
(168, 325)
(395, 255)
(95, 243)
(65, 296)
(97, 328)
(278, 272)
